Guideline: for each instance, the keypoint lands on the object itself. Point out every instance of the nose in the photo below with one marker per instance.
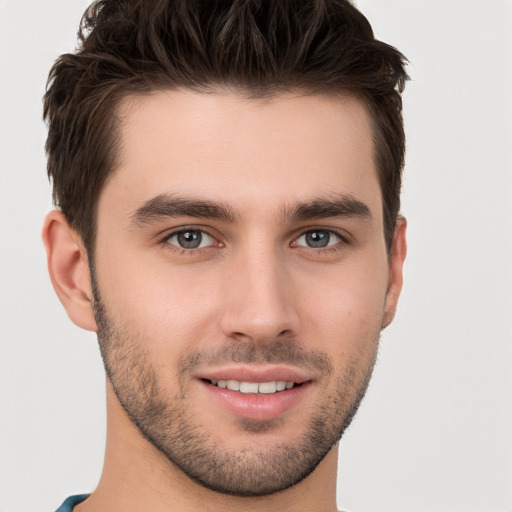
(259, 299)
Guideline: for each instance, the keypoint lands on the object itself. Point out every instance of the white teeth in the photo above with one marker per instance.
(281, 385)
(254, 387)
(234, 385)
(248, 387)
(267, 387)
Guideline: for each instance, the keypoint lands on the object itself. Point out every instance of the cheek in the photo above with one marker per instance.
(347, 308)
(164, 306)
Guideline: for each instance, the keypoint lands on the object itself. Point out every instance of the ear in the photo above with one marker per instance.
(396, 263)
(69, 269)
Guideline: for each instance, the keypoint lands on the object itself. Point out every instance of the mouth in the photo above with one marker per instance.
(257, 394)
(255, 388)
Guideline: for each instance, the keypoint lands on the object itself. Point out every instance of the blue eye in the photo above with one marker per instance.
(190, 239)
(318, 239)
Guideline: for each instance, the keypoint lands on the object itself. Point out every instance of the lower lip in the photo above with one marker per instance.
(254, 406)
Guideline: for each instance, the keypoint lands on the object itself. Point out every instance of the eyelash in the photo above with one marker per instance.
(188, 252)
(343, 242)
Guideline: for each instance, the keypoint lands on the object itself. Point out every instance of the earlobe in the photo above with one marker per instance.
(396, 262)
(69, 269)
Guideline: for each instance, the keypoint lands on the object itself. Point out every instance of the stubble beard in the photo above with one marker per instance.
(167, 422)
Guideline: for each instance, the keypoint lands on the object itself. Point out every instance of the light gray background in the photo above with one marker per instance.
(434, 433)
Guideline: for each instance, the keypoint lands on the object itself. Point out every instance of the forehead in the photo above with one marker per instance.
(222, 146)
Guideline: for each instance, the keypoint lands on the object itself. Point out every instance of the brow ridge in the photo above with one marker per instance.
(335, 206)
(170, 206)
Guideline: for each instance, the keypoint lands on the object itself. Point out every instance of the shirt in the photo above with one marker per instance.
(68, 505)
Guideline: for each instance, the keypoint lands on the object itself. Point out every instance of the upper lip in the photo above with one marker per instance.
(246, 373)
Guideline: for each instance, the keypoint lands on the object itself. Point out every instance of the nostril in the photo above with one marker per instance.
(287, 333)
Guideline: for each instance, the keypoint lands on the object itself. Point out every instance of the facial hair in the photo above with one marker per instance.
(167, 421)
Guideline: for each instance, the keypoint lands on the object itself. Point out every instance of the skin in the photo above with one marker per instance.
(255, 283)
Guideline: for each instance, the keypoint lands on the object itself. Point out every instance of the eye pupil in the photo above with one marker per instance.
(190, 239)
(317, 238)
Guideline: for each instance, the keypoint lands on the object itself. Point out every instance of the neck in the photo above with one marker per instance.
(136, 476)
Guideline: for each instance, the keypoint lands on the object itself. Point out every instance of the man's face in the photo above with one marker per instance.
(240, 250)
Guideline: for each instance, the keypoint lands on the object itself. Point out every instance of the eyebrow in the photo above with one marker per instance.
(169, 205)
(166, 206)
(333, 206)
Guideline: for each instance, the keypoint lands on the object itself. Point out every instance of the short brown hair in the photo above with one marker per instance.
(259, 47)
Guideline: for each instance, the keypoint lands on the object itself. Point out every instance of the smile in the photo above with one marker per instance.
(266, 388)
(262, 400)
